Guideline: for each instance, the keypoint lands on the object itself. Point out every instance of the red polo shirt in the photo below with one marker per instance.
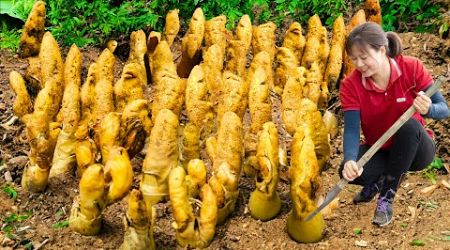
(379, 109)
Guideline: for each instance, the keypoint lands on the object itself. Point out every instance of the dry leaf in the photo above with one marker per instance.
(445, 183)
(412, 211)
(428, 190)
(361, 243)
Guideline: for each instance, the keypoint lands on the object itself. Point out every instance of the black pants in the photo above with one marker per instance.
(412, 150)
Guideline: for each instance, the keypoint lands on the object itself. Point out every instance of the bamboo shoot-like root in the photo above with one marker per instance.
(330, 122)
(135, 126)
(236, 57)
(294, 40)
(118, 174)
(138, 224)
(86, 213)
(357, 19)
(198, 107)
(264, 201)
(169, 94)
(227, 160)
(311, 50)
(64, 155)
(263, 39)
(129, 87)
(190, 144)
(138, 50)
(287, 62)
(234, 97)
(33, 31)
(192, 231)
(216, 33)
(172, 26)
(22, 103)
(244, 31)
(260, 112)
(313, 82)
(304, 174)
(162, 156)
(290, 105)
(372, 9)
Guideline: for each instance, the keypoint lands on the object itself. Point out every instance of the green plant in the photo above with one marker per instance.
(16, 9)
(11, 192)
(91, 22)
(11, 222)
(417, 242)
(410, 15)
(61, 224)
(432, 169)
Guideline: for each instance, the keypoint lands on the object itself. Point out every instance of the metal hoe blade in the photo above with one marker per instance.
(374, 148)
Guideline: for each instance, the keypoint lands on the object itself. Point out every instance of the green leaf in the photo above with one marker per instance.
(417, 242)
(357, 231)
(11, 192)
(436, 164)
(7, 229)
(404, 224)
(61, 224)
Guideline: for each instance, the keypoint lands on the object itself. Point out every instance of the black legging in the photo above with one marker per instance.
(412, 150)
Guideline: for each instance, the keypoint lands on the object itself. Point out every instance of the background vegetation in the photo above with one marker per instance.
(92, 21)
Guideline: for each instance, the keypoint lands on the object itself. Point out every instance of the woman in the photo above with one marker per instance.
(381, 88)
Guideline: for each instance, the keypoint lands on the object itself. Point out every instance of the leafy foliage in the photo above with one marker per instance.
(11, 222)
(9, 37)
(410, 15)
(90, 22)
(86, 22)
(11, 192)
(431, 170)
(61, 224)
(16, 8)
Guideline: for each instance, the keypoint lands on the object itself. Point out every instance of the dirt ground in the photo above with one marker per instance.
(417, 216)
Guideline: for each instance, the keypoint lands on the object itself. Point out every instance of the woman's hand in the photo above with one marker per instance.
(422, 103)
(351, 171)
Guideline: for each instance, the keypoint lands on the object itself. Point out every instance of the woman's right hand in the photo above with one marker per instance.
(351, 171)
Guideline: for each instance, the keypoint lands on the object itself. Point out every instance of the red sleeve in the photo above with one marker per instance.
(422, 77)
(348, 96)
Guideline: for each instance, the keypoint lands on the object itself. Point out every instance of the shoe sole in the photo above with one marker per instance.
(384, 224)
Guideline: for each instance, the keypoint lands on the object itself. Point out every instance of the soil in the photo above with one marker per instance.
(417, 216)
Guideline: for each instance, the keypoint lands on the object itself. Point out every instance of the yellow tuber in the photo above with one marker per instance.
(138, 224)
(190, 144)
(33, 31)
(198, 107)
(216, 33)
(304, 174)
(162, 156)
(118, 174)
(227, 159)
(294, 40)
(64, 155)
(263, 39)
(287, 62)
(172, 26)
(264, 202)
(191, 231)
(312, 46)
(22, 103)
(85, 215)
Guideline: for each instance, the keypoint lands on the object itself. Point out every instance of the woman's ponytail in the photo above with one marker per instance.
(394, 47)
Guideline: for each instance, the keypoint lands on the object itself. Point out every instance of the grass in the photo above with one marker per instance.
(9, 38)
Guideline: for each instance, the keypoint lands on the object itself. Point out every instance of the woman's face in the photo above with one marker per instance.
(368, 60)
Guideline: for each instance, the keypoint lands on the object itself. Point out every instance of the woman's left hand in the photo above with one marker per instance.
(422, 103)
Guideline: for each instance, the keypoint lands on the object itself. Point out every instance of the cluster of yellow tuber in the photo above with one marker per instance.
(100, 125)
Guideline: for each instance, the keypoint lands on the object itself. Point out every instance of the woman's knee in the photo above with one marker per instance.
(411, 128)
